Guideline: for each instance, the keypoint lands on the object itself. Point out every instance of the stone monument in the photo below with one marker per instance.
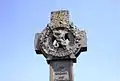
(61, 42)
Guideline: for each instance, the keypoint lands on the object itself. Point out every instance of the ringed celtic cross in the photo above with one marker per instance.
(60, 42)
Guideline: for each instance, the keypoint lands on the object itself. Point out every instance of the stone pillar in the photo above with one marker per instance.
(61, 70)
(60, 43)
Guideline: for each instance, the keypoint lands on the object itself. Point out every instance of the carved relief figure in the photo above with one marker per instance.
(61, 39)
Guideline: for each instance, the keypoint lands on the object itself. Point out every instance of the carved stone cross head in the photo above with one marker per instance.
(60, 39)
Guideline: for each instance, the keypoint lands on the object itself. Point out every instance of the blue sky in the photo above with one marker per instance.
(21, 19)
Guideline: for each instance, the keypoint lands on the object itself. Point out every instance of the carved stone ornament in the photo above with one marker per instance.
(60, 38)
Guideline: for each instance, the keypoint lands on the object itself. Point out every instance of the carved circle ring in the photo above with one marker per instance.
(59, 42)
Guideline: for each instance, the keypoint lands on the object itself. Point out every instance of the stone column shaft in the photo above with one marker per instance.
(61, 71)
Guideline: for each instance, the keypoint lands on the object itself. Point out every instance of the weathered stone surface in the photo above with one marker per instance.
(59, 19)
(61, 71)
(60, 39)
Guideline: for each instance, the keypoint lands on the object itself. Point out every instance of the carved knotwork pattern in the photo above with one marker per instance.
(72, 45)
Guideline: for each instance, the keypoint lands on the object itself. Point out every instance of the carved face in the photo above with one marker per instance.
(61, 38)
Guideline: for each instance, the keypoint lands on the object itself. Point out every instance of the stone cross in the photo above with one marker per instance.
(61, 42)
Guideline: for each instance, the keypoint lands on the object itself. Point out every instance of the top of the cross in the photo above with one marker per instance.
(59, 18)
